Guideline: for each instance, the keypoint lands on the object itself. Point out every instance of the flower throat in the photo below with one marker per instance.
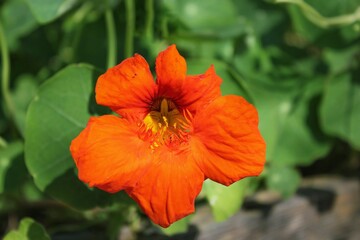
(167, 125)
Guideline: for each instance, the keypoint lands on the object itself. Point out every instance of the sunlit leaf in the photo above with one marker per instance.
(28, 230)
(177, 227)
(225, 201)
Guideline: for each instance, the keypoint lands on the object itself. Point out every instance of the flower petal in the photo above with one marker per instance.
(199, 90)
(109, 155)
(127, 88)
(228, 140)
(170, 72)
(189, 92)
(167, 192)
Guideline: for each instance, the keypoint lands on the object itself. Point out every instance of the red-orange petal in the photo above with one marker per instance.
(127, 88)
(167, 192)
(109, 155)
(229, 144)
(199, 90)
(189, 92)
(170, 72)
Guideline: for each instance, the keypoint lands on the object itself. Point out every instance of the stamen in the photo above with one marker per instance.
(165, 121)
(166, 125)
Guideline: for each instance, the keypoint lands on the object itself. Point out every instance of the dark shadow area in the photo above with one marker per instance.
(191, 234)
(88, 234)
(322, 200)
(69, 189)
(338, 161)
(264, 208)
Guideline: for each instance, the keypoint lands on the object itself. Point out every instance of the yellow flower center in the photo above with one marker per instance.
(167, 124)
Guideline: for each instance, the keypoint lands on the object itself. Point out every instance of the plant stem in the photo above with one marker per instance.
(149, 24)
(111, 36)
(5, 83)
(164, 27)
(325, 22)
(130, 27)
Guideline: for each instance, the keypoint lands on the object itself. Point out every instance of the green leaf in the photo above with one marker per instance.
(206, 17)
(177, 227)
(340, 112)
(225, 201)
(260, 16)
(28, 230)
(340, 59)
(284, 180)
(8, 158)
(300, 140)
(45, 11)
(303, 26)
(56, 116)
(288, 117)
(333, 8)
(18, 21)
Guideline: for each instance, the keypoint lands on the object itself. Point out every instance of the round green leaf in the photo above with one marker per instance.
(225, 201)
(56, 116)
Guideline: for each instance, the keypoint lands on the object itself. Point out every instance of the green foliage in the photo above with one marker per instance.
(46, 11)
(63, 103)
(283, 179)
(297, 61)
(225, 201)
(343, 94)
(180, 226)
(28, 230)
(8, 160)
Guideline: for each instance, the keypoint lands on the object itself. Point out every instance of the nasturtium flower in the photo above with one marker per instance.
(171, 135)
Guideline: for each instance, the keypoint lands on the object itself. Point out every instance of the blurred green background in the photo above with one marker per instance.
(297, 61)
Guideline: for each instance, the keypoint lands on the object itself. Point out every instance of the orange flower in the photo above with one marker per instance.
(173, 134)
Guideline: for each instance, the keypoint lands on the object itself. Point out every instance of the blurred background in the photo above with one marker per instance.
(297, 61)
